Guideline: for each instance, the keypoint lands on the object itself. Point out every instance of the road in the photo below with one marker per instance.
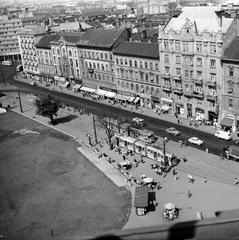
(157, 125)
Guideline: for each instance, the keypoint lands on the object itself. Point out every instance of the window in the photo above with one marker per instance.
(157, 79)
(117, 61)
(99, 76)
(121, 62)
(132, 86)
(135, 64)
(186, 74)
(186, 60)
(231, 72)
(177, 45)
(146, 77)
(165, 44)
(213, 48)
(130, 63)
(213, 77)
(137, 87)
(178, 71)
(191, 74)
(186, 88)
(199, 75)
(166, 69)
(185, 47)
(156, 66)
(106, 56)
(166, 58)
(230, 102)
(199, 62)
(112, 79)
(178, 59)
(140, 64)
(70, 53)
(146, 65)
(212, 63)
(199, 47)
(125, 62)
(151, 66)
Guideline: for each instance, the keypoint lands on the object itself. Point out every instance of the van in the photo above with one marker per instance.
(223, 135)
(7, 63)
(19, 68)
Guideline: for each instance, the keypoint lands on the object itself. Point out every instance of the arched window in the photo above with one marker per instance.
(102, 67)
(118, 83)
(152, 90)
(132, 86)
(70, 53)
(127, 85)
(137, 87)
(98, 66)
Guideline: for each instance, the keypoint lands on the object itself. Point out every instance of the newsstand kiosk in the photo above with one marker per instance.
(141, 200)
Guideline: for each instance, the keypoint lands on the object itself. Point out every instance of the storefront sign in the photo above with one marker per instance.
(166, 99)
(126, 93)
(109, 89)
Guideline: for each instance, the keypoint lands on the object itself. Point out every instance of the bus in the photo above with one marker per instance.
(7, 63)
(19, 68)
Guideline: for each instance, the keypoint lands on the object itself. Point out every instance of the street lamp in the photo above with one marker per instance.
(165, 140)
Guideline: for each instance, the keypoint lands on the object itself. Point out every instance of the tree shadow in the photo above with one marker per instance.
(65, 119)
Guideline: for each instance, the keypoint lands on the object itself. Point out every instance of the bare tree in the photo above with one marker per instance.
(109, 122)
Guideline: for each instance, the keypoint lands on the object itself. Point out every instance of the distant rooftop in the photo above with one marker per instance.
(232, 52)
(32, 29)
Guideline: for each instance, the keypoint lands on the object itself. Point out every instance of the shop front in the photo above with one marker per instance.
(189, 110)
(59, 80)
(167, 106)
(200, 115)
(155, 102)
(228, 122)
(179, 109)
(212, 116)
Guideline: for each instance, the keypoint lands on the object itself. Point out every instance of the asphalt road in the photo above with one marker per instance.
(159, 126)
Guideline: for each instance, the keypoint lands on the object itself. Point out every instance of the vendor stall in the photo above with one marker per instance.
(141, 200)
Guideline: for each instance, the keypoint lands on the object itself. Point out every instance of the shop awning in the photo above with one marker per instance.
(110, 94)
(136, 99)
(117, 96)
(101, 92)
(86, 89)
(227, 122)
(65, 84)
(141, 196)
(131, 99)
(121, 97)
(164, 108)
(77, 86)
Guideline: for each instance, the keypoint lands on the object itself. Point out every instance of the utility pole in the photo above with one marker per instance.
(93, 118)
(19, 99)
(3, 79)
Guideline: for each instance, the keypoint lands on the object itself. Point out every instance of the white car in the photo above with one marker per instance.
(33, 83)
(195, 140)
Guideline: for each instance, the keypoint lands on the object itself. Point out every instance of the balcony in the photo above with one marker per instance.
(177, 77)
(167, 88)
(188, 94)
(166, 75)
(198, 94)
(198, 81)
(211, 97)
(178, 90)
(211, 83)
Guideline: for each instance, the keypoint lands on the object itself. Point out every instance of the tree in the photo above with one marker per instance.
(47, 107)
(110, 122)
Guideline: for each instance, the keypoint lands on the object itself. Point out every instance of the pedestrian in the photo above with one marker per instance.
(236, 181)
(124, 157)
(178, 121)
(204, 180)
(206, 150)
(189, 194)
(174, 172)
(189, 175)
(184, 159)
(176, 176)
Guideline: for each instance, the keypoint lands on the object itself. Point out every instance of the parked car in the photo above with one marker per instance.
(139, 122)
(34, 83)
(173, 131)
(195, 140)
(223, 135)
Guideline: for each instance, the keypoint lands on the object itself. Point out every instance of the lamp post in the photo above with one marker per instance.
(165, 140)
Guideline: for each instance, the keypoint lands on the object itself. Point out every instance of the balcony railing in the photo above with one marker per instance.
(198, 81)
(166, 75)
(211, 83)
(178, 89)
(188, 94)
(167, 88)
(177, 77)
(198, 94)
(211, 97)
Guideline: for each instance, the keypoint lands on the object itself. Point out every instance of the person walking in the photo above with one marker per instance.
(206, 150)
(204, 180)
(176, 176)
(236, 181)
(189, 194)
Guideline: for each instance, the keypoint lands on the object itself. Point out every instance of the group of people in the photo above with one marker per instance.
(160, 169)
(170, 214)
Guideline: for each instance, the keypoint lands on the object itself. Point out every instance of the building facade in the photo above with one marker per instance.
(137, 72)
(9, 46)
(96, 58)
(27, 38)
(66, 57)
(230, 95)
(190, 54)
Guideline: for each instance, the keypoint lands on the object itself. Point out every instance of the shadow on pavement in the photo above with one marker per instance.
(65, 119)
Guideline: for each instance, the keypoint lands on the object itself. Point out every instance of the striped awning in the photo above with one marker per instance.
(86, 89)
(110, 94)
(131, 99)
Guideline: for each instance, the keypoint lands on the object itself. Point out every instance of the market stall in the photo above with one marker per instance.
(141, 200)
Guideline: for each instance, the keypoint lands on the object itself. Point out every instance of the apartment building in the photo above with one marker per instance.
(66, 57)
(230, 95)
(190, 51)
(138, 72)
(9, 46)
(45, 59)
(96, 58)
(27, 38)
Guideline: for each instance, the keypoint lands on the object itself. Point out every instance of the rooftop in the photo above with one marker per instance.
(44, 42)
(100, 37)
(138, 49)
(32, 29)
(205, 18)
(70, 37)
(232, 52)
